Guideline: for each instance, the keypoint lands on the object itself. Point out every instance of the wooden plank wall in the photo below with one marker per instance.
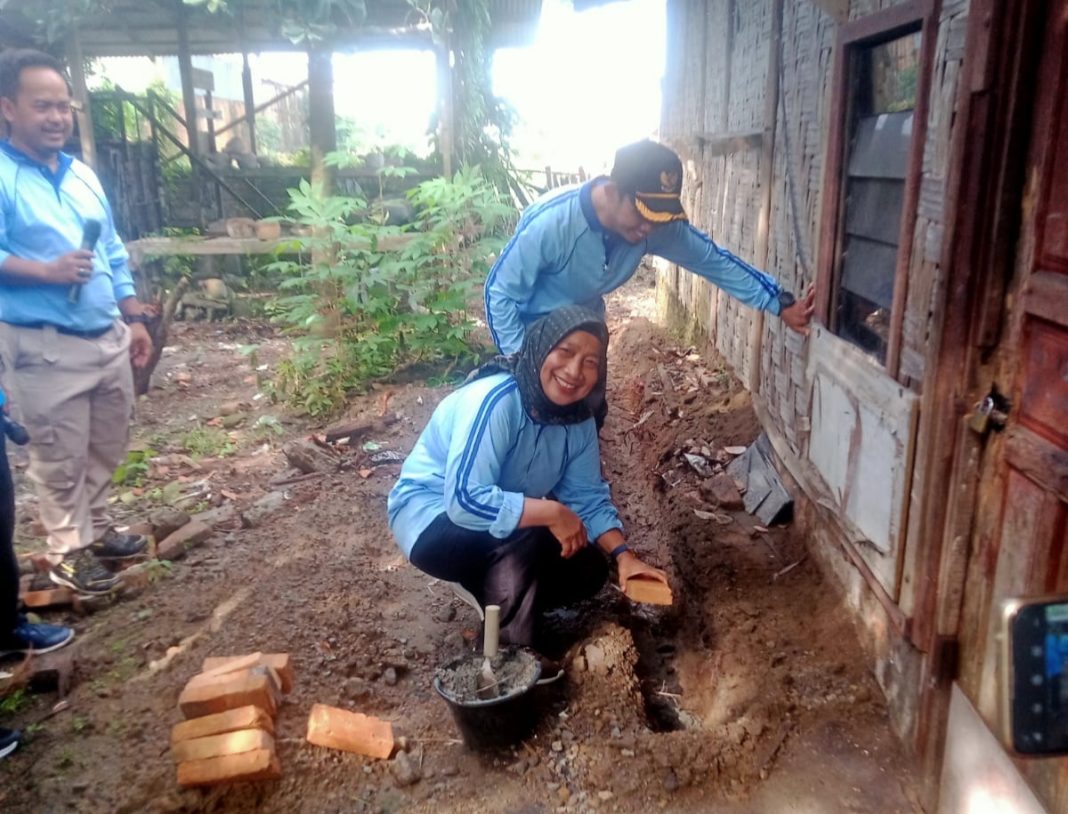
(714, 86)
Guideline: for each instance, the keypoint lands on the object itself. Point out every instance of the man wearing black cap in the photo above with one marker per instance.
(576, 244)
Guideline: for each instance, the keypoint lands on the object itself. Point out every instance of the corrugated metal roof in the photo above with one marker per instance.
(150, 27)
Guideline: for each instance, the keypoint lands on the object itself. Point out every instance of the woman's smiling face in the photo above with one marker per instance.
(571, 369)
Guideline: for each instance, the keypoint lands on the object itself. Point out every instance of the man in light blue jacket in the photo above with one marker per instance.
(576, 244)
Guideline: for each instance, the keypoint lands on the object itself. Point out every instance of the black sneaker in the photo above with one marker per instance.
(116, 546)
(83, 572)
(9, 741)
(39, 639)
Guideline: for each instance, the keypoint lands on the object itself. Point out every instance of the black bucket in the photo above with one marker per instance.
(494, 723)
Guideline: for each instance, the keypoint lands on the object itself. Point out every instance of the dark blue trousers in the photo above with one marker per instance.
(9, 567)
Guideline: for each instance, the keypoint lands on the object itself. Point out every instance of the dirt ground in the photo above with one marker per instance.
(749, 696)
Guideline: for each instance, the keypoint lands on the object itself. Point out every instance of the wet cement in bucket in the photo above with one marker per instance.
(514, 668)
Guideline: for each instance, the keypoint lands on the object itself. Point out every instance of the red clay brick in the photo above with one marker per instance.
(350, 731)
(261, 764)
(280, 662)
(248, 717)
(228, 743)
(650, 591)
(256, 687)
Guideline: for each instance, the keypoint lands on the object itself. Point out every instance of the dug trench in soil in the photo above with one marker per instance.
(749, 695)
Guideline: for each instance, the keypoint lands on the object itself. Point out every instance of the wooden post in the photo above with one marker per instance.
(321, 120)
(189, 99)
(767, 178)
(81, 97)
(250, 102)
(209, 115)
(323, 135)
(446, 125)
(189, 94)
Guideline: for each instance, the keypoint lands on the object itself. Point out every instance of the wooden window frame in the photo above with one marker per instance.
(907, 18)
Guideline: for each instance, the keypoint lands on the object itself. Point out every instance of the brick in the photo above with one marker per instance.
(278, 661)
(232, 665)
(205, 680)
(228, 743)
(256, 687)
(247, 717)
(647, 590)
(52, 672)
(48, 598)
(350, 731)
(178, 542)
(261, 764)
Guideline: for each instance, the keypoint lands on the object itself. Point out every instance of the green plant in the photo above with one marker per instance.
(375, 297)
(158, 570)
(210, 442)
(132, 471)
(267, 427)
(14, 702)
(79, 724)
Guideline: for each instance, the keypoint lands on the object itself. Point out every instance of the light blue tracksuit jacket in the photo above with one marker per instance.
(481, 455)
(42, 216)
(562, 255)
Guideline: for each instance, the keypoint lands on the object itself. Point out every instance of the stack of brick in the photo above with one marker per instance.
(230, 708)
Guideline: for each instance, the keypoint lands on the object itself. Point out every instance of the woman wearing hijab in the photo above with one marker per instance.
(503, 491)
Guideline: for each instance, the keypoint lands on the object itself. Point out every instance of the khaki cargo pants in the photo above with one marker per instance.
(75, 397)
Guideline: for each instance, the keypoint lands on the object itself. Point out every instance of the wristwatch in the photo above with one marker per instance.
(786, 299)
(133, 319)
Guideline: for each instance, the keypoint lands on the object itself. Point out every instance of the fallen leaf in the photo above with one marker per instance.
(366, 473)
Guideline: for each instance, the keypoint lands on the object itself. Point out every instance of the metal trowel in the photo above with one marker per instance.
(487, 680)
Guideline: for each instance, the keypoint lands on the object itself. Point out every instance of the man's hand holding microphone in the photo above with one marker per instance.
(74, 269)
(90, 235)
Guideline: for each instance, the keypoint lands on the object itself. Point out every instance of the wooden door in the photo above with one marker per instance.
(1020, 545)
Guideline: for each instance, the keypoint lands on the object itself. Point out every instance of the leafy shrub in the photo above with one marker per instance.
(368, 298)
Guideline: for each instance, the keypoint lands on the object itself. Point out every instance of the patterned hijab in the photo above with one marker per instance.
(541, 337)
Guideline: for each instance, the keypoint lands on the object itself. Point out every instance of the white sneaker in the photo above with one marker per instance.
(468, 598)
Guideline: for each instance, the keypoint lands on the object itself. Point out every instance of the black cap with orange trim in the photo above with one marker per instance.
(652, 173)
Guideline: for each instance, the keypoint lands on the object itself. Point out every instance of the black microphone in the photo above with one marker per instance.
(15, 431)
(90, 235)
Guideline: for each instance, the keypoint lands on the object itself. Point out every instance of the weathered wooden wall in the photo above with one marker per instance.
(715, 86)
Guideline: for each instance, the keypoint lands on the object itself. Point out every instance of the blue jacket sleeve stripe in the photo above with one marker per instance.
(766, 282)
(467, 459)
(507, 249)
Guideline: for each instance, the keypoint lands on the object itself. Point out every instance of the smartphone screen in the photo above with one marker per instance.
(1040, 678)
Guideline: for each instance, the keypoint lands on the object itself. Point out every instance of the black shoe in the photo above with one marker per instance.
(116, 546)
(9, 741)
(82, 572)
(39, 639)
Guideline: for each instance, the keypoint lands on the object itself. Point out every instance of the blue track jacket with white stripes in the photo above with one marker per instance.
(481, 455)
(561, 254)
